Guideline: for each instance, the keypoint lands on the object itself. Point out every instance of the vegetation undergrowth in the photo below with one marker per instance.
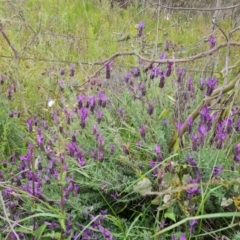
(120, 156)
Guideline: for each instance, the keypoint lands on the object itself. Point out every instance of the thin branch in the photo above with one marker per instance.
(187, 59)
(197, 9)
(6, 216)
(234, 30)
(221, 90)
(118, 54)
(8, 41)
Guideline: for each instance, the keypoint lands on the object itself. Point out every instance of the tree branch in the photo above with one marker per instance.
(223, 89)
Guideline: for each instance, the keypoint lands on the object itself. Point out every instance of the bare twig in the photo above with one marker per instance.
(177, 60)
(197, 9)
(8, 41)
(6, 216)
(179, 8)
(221, 90)
(16, 58)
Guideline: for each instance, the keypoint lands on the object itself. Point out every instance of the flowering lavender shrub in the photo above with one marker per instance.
(98, 164)
(94, 147)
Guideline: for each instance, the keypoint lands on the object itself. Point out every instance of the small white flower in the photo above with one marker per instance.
(50, 103)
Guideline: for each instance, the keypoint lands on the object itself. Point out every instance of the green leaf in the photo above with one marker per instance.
(143, 186)
(164, 113)
(28, 229)
(62, 223)
(176, 147)
(171, 98)
(220, 76)
(157, 200)
(54, 235)
(38, 233)
(170, 215)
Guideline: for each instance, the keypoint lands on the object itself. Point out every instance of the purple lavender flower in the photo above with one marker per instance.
(126, 149)
(141, 25)
(80, 99)
(72, 148)
(157, 149)
(142, 131)
(47, 179)
(81, 161)
(61, 71)
(167, 44)
(94, 129)
(83, 116)
(136, 72)
(220, 138)
(237, 153)
(154, 72)
(217, 170)
(52, 225)
(158, 153)
(169, 69)
(190, 122)
(75, 189)
(238, 125)
(112, 148)
(211, 83)
(162, 78)
(180, 73)
(100, 156)
(212, 41)
(15, 87)
(99, 116)
(30, 125)
(127, 77)
(2, 79)
(194, 190)
(190, 85)
(72, 70)
(205, 118)
(179, 127)
(151, 107)
(92, 102)
(108, 69)
(228, 125)
(193, 163)
(142, 88)
(162, 81)
(162, 55)
(74, 139)
(120, 112)
(139, 144)
(183, 236)
(100, 143)
(192, 225)
(102, 100)
(9, 94)
(202, 84)
(203, 130)
(105, 233)
(40, 141)
(11, 114)
(115, 195)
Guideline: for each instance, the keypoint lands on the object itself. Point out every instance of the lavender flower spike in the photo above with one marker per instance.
(212, 41)
(142, 131)
(83, 116)
(141, 25)
(72, 70)
(108, 69)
